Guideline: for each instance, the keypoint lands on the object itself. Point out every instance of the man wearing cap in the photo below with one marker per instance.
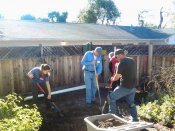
(91, 61)
(126, 72)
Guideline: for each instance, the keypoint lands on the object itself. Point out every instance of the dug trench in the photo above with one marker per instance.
(74, 108)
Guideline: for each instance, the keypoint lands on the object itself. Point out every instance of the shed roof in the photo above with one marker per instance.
(148, 33)
(20, 30)
(11, 30)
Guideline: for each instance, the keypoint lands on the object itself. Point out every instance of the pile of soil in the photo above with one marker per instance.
(111, 122)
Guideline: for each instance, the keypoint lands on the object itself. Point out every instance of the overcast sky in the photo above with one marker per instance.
(13, 9)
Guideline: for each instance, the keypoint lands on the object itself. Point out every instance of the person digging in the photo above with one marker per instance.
(126, 72)
(111, 85)
(92, 66)
(40, 83)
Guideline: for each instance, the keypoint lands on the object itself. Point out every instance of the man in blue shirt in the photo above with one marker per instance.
(91, 61)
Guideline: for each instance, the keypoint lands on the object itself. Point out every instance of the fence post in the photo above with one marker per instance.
(163, 62)
(138, 67)
(150, 59)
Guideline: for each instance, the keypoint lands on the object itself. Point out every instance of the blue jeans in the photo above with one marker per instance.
(91, 86)
(128, 94)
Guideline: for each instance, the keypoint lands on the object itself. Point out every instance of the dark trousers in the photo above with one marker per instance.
(36, 91)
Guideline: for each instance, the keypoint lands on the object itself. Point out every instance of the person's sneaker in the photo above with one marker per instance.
(133, 120)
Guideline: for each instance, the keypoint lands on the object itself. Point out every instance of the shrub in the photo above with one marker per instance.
(15, 117)
(149, 111)
(162, 110)
(162, 88)
(163, 82)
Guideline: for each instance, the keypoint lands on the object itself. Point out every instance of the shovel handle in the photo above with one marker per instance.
(40, 88)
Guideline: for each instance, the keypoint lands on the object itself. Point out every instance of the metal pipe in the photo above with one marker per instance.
(58, 92)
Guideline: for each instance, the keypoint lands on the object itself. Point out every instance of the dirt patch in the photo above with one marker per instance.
(111, 122)
(75, 110)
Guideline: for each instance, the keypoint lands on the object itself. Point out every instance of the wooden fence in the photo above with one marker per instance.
(67, 71)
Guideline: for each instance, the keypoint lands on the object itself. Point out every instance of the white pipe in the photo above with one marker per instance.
(58, 92)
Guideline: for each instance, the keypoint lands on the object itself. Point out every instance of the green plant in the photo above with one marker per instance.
(162, 110)
(167, 114)
(149, 111)
(15, 117)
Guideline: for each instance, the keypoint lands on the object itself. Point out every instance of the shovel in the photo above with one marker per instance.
(106, 103)
(56, 109)
(98, 88)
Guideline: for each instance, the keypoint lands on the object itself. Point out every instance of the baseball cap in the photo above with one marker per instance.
(99, 50)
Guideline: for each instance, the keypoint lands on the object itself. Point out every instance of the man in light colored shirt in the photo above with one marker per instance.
(91, 61)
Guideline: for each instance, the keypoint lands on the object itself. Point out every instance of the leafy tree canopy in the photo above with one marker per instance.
(28, 17)
(57, 17)
(99, 11)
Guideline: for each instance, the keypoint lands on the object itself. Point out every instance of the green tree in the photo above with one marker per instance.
(56, 17)
(53, 16)
(87, 16)
(28, 17)
(62, 18)
(112, 12)
(99, 11)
